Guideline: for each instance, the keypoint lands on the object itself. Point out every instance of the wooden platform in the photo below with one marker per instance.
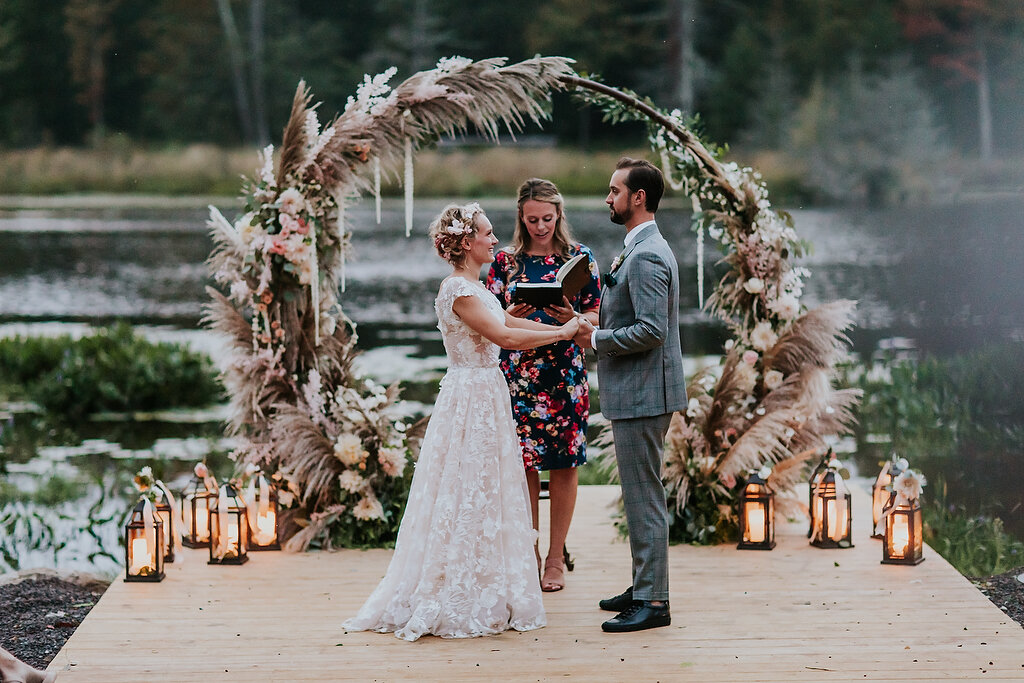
(795, 613)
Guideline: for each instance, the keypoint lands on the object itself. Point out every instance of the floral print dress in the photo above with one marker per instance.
(548, 385)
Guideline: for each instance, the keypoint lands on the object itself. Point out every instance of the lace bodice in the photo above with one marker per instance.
(466, 348)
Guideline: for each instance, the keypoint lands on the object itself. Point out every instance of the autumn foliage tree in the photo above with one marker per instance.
(964, 38)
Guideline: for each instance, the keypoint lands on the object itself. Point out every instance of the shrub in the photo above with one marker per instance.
(113, 370)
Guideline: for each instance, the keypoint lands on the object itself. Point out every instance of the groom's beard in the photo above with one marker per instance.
(621, 218)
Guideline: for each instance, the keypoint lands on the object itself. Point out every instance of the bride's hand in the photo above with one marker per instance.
(570, 328)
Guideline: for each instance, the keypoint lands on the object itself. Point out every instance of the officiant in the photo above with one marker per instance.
(548, 385)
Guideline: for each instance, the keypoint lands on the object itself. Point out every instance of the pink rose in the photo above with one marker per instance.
(750, 357)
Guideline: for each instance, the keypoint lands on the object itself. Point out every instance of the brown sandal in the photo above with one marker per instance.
(554, 575)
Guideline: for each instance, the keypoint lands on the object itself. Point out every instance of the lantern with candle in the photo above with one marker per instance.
(831, 512)
(881, 488)
(261, 498)
(144, 544)
(816, 476)
(165, 511)
(196, 500)
(229, 528)
(902, 542)
(757, 512)
(154, 490)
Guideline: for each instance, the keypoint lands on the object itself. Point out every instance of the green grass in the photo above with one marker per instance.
(120, 167)
(975, 544)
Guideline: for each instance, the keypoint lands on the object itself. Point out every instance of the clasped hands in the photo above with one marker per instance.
(583, 332)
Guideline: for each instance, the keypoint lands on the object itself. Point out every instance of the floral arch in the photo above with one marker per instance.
(326, 435)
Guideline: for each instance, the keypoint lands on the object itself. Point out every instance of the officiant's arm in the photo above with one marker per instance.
(474, 313)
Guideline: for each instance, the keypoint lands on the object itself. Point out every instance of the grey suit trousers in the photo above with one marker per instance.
(638, 445)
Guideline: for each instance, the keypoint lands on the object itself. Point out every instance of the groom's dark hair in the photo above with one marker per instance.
(643, 175)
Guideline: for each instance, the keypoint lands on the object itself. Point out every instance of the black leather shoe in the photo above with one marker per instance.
(619, 603)
(640, 616)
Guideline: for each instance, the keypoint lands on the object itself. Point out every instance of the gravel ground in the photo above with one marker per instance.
(41, 611)
(1006, 591)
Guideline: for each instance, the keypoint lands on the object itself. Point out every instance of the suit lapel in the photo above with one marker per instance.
(644, 234)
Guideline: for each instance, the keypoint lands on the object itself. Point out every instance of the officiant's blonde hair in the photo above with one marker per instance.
(545, 191)
(449, 243)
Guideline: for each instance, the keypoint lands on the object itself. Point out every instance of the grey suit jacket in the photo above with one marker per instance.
(639, 358)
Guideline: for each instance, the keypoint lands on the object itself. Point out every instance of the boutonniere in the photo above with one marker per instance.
(617, 262)
(609, 280)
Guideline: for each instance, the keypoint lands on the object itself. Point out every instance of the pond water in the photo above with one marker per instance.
(935, 279)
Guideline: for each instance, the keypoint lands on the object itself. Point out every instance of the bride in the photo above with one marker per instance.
(464, 563)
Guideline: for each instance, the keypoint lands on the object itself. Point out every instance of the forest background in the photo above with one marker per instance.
(862, 100)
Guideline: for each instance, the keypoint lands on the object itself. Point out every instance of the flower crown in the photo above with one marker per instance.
(463, 226)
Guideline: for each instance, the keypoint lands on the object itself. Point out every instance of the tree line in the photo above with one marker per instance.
(762, 73)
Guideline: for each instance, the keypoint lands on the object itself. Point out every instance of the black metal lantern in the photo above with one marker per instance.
(902, 542)
(816, 476)
(166, 512)
(881, 489)
(831, 514)
(262, 515)
(195, 511)
(144, 544)
(757, 515)
(229, 528)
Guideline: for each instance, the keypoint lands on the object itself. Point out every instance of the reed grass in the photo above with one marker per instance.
(122, 168)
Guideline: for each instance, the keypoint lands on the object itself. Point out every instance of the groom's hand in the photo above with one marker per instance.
(584, 335)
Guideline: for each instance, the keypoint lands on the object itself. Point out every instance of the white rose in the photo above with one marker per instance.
(763, 337)
(692, 407)
(291, 201)
(786, 306)
(772, 379)
(754, 285)
(764, 472)
(350, 481)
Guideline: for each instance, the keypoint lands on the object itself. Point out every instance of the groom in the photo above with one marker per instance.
(640, 366)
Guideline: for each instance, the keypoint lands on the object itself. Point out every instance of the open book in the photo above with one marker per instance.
(569, 280)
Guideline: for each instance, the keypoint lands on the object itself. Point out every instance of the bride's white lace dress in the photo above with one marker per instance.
(464, 562)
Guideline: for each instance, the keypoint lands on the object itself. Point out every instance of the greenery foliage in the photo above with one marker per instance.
(112, 370)
(976, 544)
(869, 136)
(170, 70)
(941, 407)
(961, 421)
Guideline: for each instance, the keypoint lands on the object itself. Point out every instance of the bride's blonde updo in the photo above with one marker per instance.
(448, 230)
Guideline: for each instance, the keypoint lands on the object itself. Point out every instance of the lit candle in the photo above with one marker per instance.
(755, 524)
(141, 557)
(900, 536)
(233, 548)
(202, 522)
(836, 512)
(266, 531)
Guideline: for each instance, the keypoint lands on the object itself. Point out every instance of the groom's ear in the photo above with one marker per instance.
(640, 197)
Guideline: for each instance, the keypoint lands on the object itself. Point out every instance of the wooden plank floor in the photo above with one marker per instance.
(795, 613)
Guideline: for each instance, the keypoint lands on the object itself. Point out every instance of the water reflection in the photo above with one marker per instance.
(944, 278)
(947, 276)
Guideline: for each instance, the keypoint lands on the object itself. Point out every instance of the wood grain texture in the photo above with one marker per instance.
(794, 613)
